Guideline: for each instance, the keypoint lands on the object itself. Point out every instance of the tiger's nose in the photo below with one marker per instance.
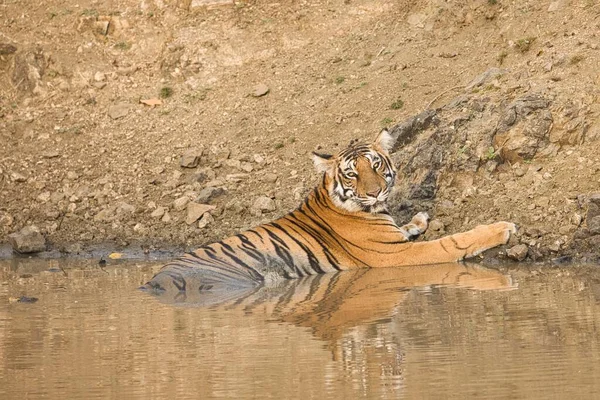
(374, 193)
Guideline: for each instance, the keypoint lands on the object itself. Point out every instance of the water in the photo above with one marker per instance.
(416, 333)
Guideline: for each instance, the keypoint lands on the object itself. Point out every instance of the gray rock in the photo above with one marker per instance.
(595, 198)
(485, 77)
(119, 110)
(518, 252)
(27, 240)
(594, 225)
(209, 193)
(190, 159)
(195, 211)
(264, 204)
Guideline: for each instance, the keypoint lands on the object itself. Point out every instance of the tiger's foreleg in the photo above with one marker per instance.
(417, 225)
(449, 248)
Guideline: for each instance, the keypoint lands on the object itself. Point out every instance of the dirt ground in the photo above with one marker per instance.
(102, 102)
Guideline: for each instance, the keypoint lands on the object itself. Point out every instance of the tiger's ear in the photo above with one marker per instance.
(323, 162)
(385, 141)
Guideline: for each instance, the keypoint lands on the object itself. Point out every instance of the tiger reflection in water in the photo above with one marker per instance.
(342, 225)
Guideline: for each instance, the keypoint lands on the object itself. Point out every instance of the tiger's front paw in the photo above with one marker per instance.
(417, 225)
(506, 229)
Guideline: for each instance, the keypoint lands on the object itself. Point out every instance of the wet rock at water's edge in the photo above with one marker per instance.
(27, 240)
(518, 252)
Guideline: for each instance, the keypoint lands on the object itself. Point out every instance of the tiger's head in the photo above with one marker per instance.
(360, 177)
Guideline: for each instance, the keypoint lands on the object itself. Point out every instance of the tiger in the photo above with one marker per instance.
(343, 224)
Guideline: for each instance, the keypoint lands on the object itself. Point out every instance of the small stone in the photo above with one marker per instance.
(166, 218)
(119, 110)
(209, 193)
(99, 77)
(594, 225)
(555, 247)
(27, 240)
(181, 203)
(158, 213)
(247, 167)
(190, 159)
(205, 220)
(519, 172)
(576, 219)
(264, 204)
(258, 159)
(564, 230)
(140, 228)
(101, 27)
(72, 175)
(126, 208)
(518, 252)
(436, 225)
(6, 219)
(260, 90)
(270, 177)
(17, 177)
(50, 154)
(44, 197)
(555, 6)
(233, 163)
(195, 211)
(595, 198)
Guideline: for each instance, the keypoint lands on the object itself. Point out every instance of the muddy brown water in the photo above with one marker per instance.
(448, 331)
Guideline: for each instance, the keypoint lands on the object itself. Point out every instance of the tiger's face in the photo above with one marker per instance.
(360, 177)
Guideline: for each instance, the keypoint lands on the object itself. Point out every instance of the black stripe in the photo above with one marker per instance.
(282, 250)
(312, 259)
(332, 259)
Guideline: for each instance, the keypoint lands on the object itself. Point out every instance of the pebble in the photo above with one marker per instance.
(258, 159)
(119, 110)
(166, 218)
(264, 204)
(594, 225)
(206, 219)
(17, 177)
(260, 90)
(126, 208)
(195, 211)
(270, 177)
(6, 219)
(209, 193)
(436, 225)
(159, 212)
(181, 203)
(99, 76)
(27, 240)
(247, 167)
(518, 252)
(190, 159)
(44, 197)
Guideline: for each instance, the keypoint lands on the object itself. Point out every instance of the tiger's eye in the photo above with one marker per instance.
(351, 174)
